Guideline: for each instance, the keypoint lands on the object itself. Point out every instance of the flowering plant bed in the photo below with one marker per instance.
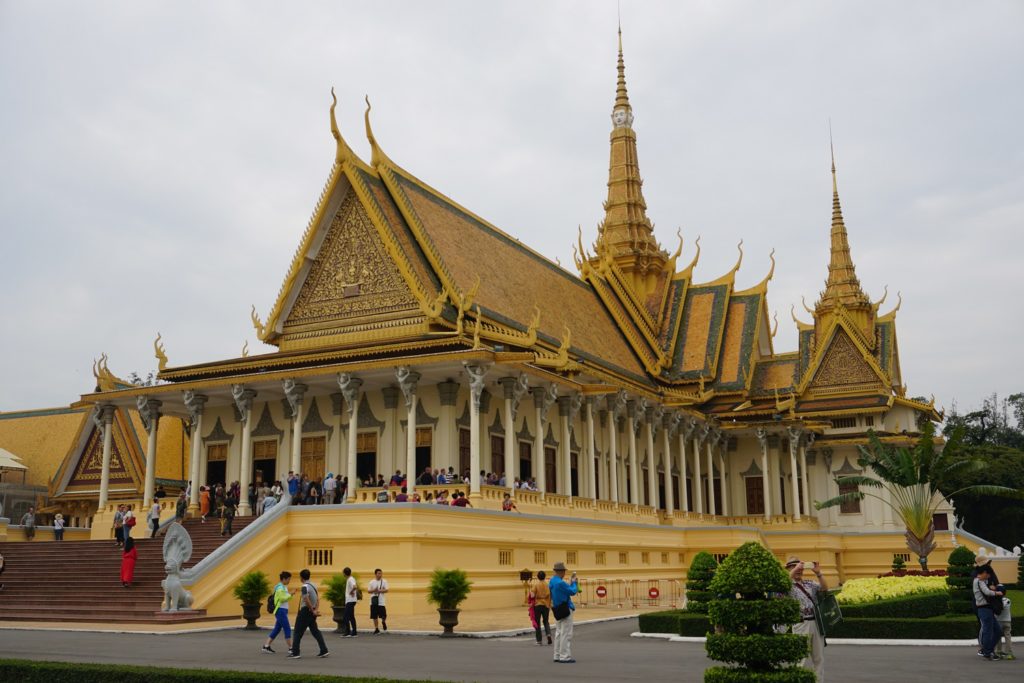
(861, 591)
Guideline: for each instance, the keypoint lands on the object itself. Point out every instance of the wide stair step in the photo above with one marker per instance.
(82, 579)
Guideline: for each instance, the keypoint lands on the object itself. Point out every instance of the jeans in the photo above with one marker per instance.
(348, 622)
(563, 639)
(306, 619)
(542, 612)
(156, 527)
(281, 624)
(990, 631)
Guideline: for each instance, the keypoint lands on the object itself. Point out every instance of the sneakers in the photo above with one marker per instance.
(323, 654)
(540, 643)
(565, 661)
(376, 631)
(1004, 656)
(385, 625)
(267, 650)
(549, 640)
(292, 655)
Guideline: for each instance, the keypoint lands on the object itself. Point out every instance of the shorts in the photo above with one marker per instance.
(378, 611)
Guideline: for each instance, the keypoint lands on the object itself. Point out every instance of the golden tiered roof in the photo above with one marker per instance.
(389, 266)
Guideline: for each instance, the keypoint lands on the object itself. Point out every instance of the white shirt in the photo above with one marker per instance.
(379, 585)
(330, 484)
(350, 590)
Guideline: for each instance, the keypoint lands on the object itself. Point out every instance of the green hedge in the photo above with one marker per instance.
(724, 674)
(675, 621)
(911, 606)
(961, 597)
(702, 571)
(748, 615)
(936, 628)
(25, 671)
(755, 650)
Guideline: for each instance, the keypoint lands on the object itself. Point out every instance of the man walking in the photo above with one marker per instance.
(378, 588)
(154, 517)
(230, 505)
(806, 593)
(562, 607)
(28, 522)
(309, 610)
(119, 526)
(348, 623)
(542, 605)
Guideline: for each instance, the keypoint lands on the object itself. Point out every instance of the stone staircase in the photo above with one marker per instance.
(81, 580)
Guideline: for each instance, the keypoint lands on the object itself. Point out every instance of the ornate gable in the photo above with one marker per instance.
(352, 278)
(87, 464)
(843, 366)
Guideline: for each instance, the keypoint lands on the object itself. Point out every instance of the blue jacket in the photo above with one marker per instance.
(561, 591)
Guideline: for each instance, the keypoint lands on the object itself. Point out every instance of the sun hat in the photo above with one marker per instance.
(791, 560)
(58, 516)
(981, 561)
(559, 567)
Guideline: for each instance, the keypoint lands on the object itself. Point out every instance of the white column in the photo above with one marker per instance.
(349, 386)
(149, 411)
(513, 388)
(698, 494)
(652, 460)
(723, 449)
(709, 444)
(684, 496)
(563, 484)
(613, 451)
(293, 391)
(543, 398)
(634, 469)
(591, 451)
(476, 373)
(794, 440)
(104, 420)
(194, 403)
(407, 380)
(806, 478)
(338, 443)
(666, 457)
(243, 401)
(762, 438)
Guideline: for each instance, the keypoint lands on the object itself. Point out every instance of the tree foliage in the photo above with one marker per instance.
(702, 570)
(961, 597)
(915, 479)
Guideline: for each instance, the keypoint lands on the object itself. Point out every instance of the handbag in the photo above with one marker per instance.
(561, 611)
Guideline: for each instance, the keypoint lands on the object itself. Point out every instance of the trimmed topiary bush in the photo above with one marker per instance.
(961, 599)
(752, 597)
(898, 565)
(702, 570)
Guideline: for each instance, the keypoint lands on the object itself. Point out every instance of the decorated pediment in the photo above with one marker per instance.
(844, 365)
(86, 463)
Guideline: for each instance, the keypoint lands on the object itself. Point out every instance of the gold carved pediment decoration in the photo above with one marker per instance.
(842, 365)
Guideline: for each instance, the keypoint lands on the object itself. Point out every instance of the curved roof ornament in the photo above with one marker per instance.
(775, 324)
(806, 307)
(882, 300)
(679, 249)
(799, 323)
(376, 154)
(688, 270)
(344, 151)
(892, 314)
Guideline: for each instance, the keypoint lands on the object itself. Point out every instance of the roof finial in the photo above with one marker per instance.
(621, 96)
(376, 155)
(343, 151)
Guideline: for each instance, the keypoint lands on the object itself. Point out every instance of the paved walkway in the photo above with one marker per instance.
(605, 653)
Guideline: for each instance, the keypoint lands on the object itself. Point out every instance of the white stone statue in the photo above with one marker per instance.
(177, 551)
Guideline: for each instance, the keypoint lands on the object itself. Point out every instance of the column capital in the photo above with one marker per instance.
(448, 392)
(407, 381)
(243, 399)
(477, 379)
(293, 391)
(149, 411)
(544, 397)
(103, 415)
(673, 421)
(762, 436)
(194, 403)
(795, 435)
(350, 385)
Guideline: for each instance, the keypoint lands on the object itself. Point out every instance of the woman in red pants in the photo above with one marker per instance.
(128, 562)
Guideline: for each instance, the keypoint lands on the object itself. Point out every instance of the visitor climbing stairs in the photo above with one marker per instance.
(80, 581)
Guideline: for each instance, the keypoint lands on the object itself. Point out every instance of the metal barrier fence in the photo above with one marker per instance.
(668, 593)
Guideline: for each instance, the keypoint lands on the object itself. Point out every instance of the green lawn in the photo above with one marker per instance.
(1016, 604)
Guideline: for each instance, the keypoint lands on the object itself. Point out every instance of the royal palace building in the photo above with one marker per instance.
(652, 411)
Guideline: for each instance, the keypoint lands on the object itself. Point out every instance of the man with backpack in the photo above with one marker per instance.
(309, 610)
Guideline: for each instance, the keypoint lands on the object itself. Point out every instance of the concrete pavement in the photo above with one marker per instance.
(605, 652)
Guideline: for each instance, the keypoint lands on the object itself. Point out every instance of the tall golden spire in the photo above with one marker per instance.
(626, 234)
(842, 288)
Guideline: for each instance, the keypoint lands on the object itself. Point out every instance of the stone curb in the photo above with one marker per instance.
(671, 637)
(368, 634)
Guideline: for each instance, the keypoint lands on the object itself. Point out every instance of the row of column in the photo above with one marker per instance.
(703, 439)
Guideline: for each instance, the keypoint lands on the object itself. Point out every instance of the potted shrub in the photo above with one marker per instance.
(898, 565)
(751, 592)
(250, 590)
(702, 570)
(334, 593)
(447, 589)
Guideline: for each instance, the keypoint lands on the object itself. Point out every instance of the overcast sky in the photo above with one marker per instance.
(159, 161)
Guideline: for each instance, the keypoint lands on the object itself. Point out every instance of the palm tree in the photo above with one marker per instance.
(915, 480)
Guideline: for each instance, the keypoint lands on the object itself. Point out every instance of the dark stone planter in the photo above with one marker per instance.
(449, 620)
(339, 616)
(251, 613)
